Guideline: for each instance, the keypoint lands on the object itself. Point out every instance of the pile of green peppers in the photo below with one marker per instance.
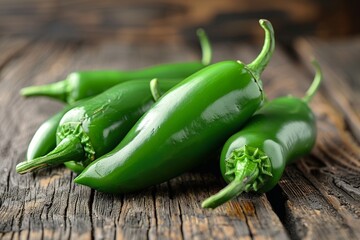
(123, 131)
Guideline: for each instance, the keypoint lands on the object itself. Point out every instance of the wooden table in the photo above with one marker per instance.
(317, 198)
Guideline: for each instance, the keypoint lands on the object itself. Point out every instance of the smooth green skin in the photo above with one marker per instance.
(80, 85)
(44, 139)
(107, 117)
(284, 129)
(91, 83)
(104, 120)
(185, 124)
(85, 84)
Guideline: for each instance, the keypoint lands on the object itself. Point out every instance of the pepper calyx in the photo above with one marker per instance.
(75, 129)
(247, 169)
(243, 161)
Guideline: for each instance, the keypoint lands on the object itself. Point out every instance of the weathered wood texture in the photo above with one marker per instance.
(335, 174)
(342, 75)
(318, 198)
(47, 204)
(321, 194)
(160, 20)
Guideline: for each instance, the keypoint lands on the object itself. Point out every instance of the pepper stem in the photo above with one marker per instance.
(155, 90)
(258, 65)
(315, 84)
(57, 90)
(70, 148)
(236, 187)
(205, 46)
(247, 168)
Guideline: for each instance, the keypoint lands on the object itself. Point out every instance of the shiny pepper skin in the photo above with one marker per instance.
(254, 159)
(84, 84)
(184, 125)
(97, 125)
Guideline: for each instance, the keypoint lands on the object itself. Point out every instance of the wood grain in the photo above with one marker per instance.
(318, 198)
(48, 205)
(341, 75)
(330, 174)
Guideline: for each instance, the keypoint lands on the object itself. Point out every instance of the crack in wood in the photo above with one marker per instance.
(90, 205)
(181, 222)
(278, 201)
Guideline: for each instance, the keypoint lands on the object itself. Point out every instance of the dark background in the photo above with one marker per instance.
(176, 20)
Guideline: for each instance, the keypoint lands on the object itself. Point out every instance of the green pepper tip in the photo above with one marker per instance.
(81, 179)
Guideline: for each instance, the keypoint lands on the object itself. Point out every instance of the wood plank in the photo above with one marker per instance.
(310, 213)
(49, 205)
(335, 173)
(180, 216)
(341, 75)
(33, 206)
(320, 191)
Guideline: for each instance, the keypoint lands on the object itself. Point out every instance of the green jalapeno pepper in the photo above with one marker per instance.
(44, 139)
(254, 158)
(85, 84)
(97, 125)
(190, 120)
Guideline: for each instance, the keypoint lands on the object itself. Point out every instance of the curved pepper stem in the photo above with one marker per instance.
(70, 148)
(247, 168)
(205, 46)
(258, 65)
(315, 84)
(235, 188)
(56, 90)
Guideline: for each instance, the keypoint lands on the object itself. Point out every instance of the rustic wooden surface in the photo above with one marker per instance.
(317, 198)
